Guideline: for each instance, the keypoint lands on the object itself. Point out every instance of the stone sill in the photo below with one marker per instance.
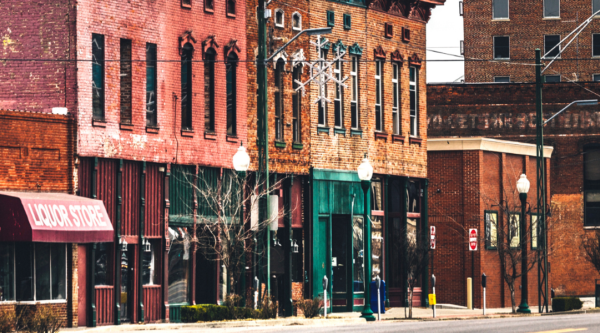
(210, 135)
(297, 145)
(356, 132)
(126, 127)
(341, 131)
(381, 135)
(322, 129)
(397, 138)
(231, 138)
(279, 144)
(153, 130)
(98, 123)
(415, 140)
(187, 133)
(501, 20)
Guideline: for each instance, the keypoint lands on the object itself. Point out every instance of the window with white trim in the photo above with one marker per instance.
(500, 9)
(551, 8)
(339, 94)
(354, 109)
(396, 98)
(378, 96)
(595, 6)
(414, 101)
(279, 18)
(296, 103)
(296, 21)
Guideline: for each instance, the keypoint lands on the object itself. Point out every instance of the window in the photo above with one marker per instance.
(596, 77)
(98, 76)
(231, 8)
(231, 77)
(297, 258)
(33, 271)
(596, 45)
(186, 87)
(179, 266)
(209, 90)
(125, 81)
(151, 98)
(501, 47)
(502, 79)
(551, 8)
(491, 230)
(347, 21)
(209, 5)
(550, 41)
(378, 96)
(150, 266)
(535, 232)
(322, 107)
(378, 216)
(591, 185)
(297, 21)
(103, 271)
(396, 98)
(358, 254)
(296, 103)
(355, 92)
(514, 236)
(279, 19)
(186, 3)
(595, 6)
(552, 78)
(500, 9)
(330, 18)
(414, 101)
(278, 99)
(339, 94)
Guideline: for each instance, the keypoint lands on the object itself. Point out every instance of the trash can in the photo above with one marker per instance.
(374, 296)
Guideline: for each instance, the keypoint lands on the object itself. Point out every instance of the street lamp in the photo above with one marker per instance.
(365, 172)
(241, 163)
(523, 188)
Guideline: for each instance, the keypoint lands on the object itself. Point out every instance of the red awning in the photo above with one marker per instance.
(53, 218)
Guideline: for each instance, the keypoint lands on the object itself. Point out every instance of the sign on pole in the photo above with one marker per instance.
(432, 299)
(472, 239)
(433, 244)
(432, 236)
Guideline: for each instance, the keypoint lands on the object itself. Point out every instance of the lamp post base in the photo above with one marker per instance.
(524, 308)
(367, 314)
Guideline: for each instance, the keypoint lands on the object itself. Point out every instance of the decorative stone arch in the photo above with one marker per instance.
(208, 43)
(339, 46)
(185, 38)
(379, 53)
(230, 48)
(282, 23)
(281, 55)
(355, 49)
(414, 60)
(397, 57)
(298, 58)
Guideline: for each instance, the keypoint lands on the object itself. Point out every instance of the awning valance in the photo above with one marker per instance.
(53, 218)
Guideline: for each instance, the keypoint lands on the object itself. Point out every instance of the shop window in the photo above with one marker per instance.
(40, 273)
(98, 76)
(278, 99)
(591, 185)
(297, 258)
(231, 73)
(501, 47)
(354, 108)
(179, 266)
(103, 265)
(551, 8)
(514, 220)
(395, 229)
(150, 266)
(209, 90)
(297, 21)
(377, 247)
(151, 77)
(279, 18)
(535, 232)
(378, 96)
(339, 94)
(186, 87)
(413, 197)
(296, 103)
(376, 194)
(500, 9)
(358, 275)
(414, 101)
(550, 43)
(125, 81)
(396, 98)
(491, 230)
(596, 45)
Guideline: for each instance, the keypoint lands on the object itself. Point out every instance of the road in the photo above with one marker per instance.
(546, 324)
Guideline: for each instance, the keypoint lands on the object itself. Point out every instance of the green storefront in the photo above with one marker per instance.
(397, 206)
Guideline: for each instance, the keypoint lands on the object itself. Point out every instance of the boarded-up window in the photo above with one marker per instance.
(98, 76)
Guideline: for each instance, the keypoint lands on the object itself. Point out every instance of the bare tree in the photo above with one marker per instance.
(591, 247)
(416, 255)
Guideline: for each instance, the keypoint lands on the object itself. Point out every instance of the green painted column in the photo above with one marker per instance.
(425, 233)
(367, 312)
(242, 180)
(141, 247)
(405, 234)
(92, 263)
(288, 303)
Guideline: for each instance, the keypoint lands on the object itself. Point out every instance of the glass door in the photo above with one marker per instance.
(341, 258)
(127, 279)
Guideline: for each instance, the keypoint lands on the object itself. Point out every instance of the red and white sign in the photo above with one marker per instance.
(473, 240)
(432, 235)
(433, 243)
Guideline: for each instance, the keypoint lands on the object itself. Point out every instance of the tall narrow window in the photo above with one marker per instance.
(279, 100)
(491, 230)
(98, 76)
(550, 43)
(126, 81)
(231, 69)
(595, 6)
(378, 96)
(296, 103)
(231, 8)
(396, 98)
(151, 98)
(500, 9)
(338, 102)
(355, 92)
(186, 87)
(596, 45)
(514, 220)
(322, 107)
(209, 90)
(591, 185)
(501, 47)
(414, 101)
(551, 8)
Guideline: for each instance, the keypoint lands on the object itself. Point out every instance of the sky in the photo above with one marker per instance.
(444, 33)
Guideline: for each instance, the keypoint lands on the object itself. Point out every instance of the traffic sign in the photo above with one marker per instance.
(432, 231)
(472, 239)
(433, 244)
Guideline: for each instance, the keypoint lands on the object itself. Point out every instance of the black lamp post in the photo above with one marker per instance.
(241, 163)
(523, 188)
(365, 172)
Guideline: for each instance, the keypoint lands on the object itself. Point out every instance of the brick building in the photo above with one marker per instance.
(507, 112)
(510, 30)
(159, 102)
(473, 185)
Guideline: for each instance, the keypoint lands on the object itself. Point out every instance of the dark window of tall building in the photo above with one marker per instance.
(231, 69)
(414, 101)
(151, 98)
(209, 90)
(500, 9)
(297, 260)
(396, 108)
(595, 6)
(339, 100)
(278, 99)
(355, 93)
(378, 96)
(98, 76)
(550, 41)
(501, 47)
(231, 8)
(596, 45)
(596, 77)
(279, 18)
(591, 185)
(296, 103)
(552, 78)
(551, 8)
(209, 5)
(502, 79)
(126, 80)
(186, 87)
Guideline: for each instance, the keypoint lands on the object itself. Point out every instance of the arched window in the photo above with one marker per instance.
(279, 70)
(209, 90)
(279, 19)
(231, 73)
(186, 86)
(296, 103)
(296, 21)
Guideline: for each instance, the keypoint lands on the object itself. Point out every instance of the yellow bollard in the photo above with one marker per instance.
(470, 293)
